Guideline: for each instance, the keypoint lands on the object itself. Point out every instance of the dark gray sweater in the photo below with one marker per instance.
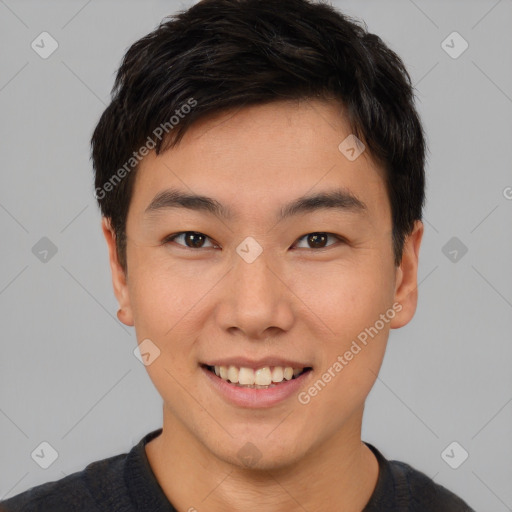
(126, 483)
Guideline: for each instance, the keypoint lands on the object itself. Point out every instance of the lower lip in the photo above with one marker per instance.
(253, 397)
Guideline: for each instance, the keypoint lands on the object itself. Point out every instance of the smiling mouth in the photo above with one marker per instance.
(260, 378)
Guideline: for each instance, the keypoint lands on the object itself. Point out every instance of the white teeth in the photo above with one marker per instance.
(261, 377)
(232, 374)
(277, 374)
(246, 376)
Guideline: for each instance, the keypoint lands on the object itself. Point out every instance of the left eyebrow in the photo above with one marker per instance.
(337, 199)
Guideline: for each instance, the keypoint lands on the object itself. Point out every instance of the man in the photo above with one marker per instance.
(260, 173)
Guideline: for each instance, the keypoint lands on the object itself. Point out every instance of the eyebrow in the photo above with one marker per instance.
(339, 199)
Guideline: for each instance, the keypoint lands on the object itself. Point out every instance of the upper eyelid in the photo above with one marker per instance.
(333, 235)
(172, 237)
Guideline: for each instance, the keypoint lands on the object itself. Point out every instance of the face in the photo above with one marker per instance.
(244, 280)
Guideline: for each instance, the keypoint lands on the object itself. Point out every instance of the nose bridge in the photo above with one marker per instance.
(258, 297)
(254, 282)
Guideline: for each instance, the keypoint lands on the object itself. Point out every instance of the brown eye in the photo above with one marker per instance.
(318, 240)
(192, 239)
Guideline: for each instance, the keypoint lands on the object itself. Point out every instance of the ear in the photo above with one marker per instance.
(406, 288)
(125, 314)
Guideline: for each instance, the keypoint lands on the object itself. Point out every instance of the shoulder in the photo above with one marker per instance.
(402, 488)
(89, 490)
(422, 493)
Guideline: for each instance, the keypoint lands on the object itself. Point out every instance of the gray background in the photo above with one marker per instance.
(68, 375)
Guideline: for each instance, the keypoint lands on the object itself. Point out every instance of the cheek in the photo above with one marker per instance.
(347, 298)
(163, 296)
(356, 300)
(165, 304)
(160, 315)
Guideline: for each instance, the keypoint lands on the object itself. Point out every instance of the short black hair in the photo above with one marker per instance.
(222, 54)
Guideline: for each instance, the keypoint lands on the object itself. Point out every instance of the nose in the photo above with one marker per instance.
(257, 302)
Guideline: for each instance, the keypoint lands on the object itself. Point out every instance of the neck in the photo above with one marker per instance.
(339, 475)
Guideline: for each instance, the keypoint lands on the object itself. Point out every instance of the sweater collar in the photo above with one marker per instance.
(148, 496)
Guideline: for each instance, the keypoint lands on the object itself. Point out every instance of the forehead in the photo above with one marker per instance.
(258, 158)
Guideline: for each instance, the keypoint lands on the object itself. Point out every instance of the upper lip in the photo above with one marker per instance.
(254, 364)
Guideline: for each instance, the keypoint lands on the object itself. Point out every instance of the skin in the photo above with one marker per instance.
(294, 300)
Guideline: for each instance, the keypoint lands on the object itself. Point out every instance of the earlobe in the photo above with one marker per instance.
(406, 291)
(118, 275)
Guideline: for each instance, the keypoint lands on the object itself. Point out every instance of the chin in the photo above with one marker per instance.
(251, 458)
(260, 451)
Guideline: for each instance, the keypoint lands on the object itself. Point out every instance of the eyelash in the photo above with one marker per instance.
(173, 237)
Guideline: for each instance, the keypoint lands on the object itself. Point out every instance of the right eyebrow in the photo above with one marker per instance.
(174, 198)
